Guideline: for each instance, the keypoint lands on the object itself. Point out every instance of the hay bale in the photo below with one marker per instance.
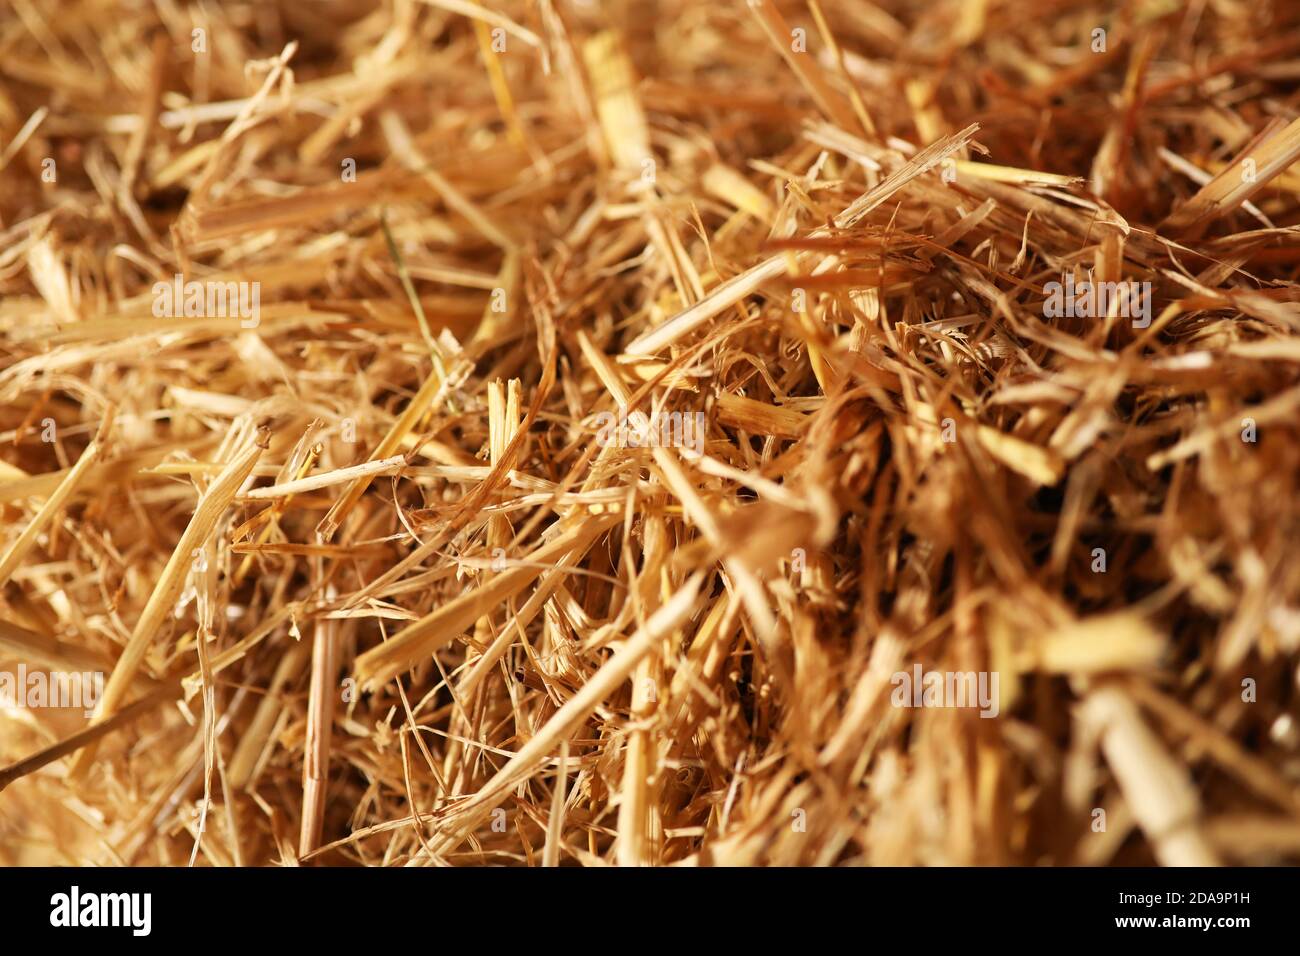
(558, 433)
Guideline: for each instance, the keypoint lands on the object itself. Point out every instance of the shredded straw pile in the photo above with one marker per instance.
(561, 432)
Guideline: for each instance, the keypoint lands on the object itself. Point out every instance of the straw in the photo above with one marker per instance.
(580, 422)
